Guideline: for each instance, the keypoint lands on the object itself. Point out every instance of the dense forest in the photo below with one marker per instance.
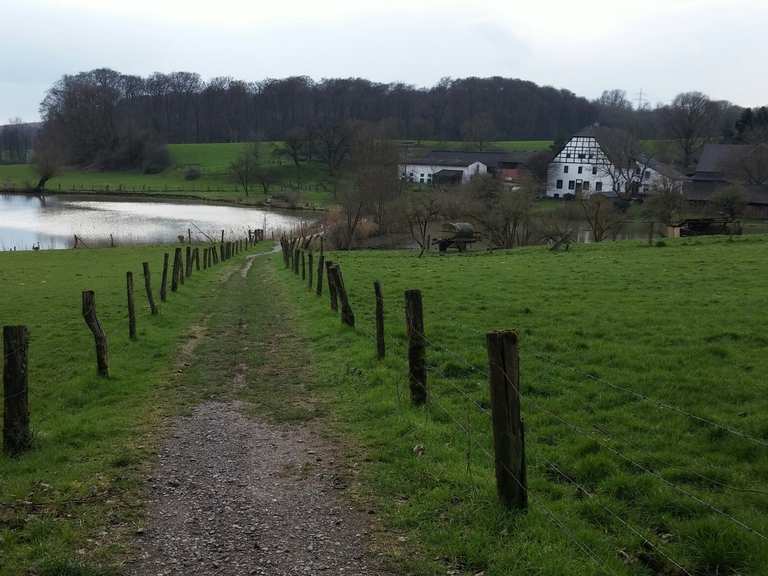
(112, 120)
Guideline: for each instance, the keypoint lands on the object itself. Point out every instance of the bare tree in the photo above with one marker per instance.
(666, 202)
(422, 209)
(374, 162)
(751, 166)
(352, 201)
(48, 155)
(245, 167)
(478, 128)
(729, 202)
(334, 142)
(627, 165)
(601, 214)
(691, 120)
(505, 214)
(559, 226)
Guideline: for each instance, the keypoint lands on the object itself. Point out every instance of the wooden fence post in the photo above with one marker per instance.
(17, 436)
(205, 258)
(189, 261)
(331, 286)
(508, 433)
(303, 266)
(148, 288)
(89, 314)
(131, 306)
(347, 316)
(380, 346)
(320, 272)
(310, 269)
(196, 258)
(181, 267)
(164, 280)
(417, 366)
(175, 274)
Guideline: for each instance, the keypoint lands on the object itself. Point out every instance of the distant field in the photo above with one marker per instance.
(509, 145)
(214, 184)
(618, 484)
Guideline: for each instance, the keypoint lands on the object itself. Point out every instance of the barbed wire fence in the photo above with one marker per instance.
(468, 427)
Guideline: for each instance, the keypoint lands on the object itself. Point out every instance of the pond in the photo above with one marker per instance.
(27, 221)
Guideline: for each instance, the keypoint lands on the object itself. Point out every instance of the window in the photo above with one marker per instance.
(559, 184)
(568, 155)
(565, 169)
(591, 156)
(581, 169)
(594, 170)
(598, 186)
(571, 184)
(581, 155)
(585, 186)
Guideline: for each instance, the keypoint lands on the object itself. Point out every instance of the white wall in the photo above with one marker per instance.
(421, 173)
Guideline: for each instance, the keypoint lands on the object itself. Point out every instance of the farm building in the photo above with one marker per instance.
(460, 166)
(722, 165)
(584, 166)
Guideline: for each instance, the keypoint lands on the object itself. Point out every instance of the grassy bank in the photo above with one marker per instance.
(643, 395)
(72, 501)
(214, 183)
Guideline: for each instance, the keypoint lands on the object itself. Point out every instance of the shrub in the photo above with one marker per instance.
(156, 159)
(192, 173)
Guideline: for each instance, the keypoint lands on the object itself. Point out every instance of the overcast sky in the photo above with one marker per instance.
(661, 47)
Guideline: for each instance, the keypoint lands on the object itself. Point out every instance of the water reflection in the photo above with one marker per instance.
(27, 221)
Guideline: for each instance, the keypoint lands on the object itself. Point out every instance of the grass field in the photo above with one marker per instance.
(618, 484)
(214, 183)
(72, 501)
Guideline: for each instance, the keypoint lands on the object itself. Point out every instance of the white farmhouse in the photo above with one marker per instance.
(443, 167)
(583, 166)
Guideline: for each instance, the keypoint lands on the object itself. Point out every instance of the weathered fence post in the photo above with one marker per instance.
(205, 258)
(188, 261)
(176, 273)
(310, 269)
(508, 433)
(196, 258)
(148, 288)
(417, 366)
(320, 272)
(331, 286)
(303, 266)
(89, 314)
(380, 346)
(347, 316)
(296, 260)
(164, 280)
(131, 306)
(17, 436)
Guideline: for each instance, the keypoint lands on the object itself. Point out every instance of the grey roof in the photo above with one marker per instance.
(491, 158)
(714, 161)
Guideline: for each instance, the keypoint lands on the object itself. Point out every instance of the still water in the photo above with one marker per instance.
(27, 221)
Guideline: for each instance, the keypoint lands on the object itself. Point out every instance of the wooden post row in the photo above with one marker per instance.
(347, 316)
(131, 306)
(310, 269)
(17, 436)
(320, 274)
(331, 286)
(508, 432)
(100, 338)
(148, 288)
(176, 274)
(417, 366)
(164, 280)
(380, 345)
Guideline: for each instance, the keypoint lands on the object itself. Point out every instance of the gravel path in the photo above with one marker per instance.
(232, 495)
